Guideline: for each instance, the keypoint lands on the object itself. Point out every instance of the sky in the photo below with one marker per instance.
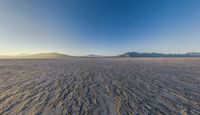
(103, 27)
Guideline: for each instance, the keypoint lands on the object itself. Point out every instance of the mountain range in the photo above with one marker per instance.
(37, 56)
(136, 54)
(55, 55)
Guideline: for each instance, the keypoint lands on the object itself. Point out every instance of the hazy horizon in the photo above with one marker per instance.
(106, 27)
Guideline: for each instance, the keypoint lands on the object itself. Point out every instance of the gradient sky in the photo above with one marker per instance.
(104, 27)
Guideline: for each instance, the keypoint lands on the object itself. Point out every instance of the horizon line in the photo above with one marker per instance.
(51, 52)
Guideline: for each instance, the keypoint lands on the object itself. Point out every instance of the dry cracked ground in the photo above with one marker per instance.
(100, 86)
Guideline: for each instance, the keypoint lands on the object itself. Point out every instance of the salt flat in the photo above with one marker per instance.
(104, 86)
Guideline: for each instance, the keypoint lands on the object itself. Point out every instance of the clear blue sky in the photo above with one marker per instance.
(105, 27)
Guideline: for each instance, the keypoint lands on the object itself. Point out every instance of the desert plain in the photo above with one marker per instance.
(100, 86)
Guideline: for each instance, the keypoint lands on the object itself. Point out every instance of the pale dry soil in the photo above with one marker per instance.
(100, 86)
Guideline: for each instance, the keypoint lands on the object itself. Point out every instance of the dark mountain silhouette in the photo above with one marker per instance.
(136, 54)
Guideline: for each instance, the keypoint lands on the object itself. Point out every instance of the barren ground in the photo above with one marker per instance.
(107, 86)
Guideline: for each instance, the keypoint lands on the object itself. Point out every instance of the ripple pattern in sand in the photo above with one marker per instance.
(100, 86)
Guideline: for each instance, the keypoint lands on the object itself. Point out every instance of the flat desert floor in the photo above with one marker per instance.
(100, 86)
